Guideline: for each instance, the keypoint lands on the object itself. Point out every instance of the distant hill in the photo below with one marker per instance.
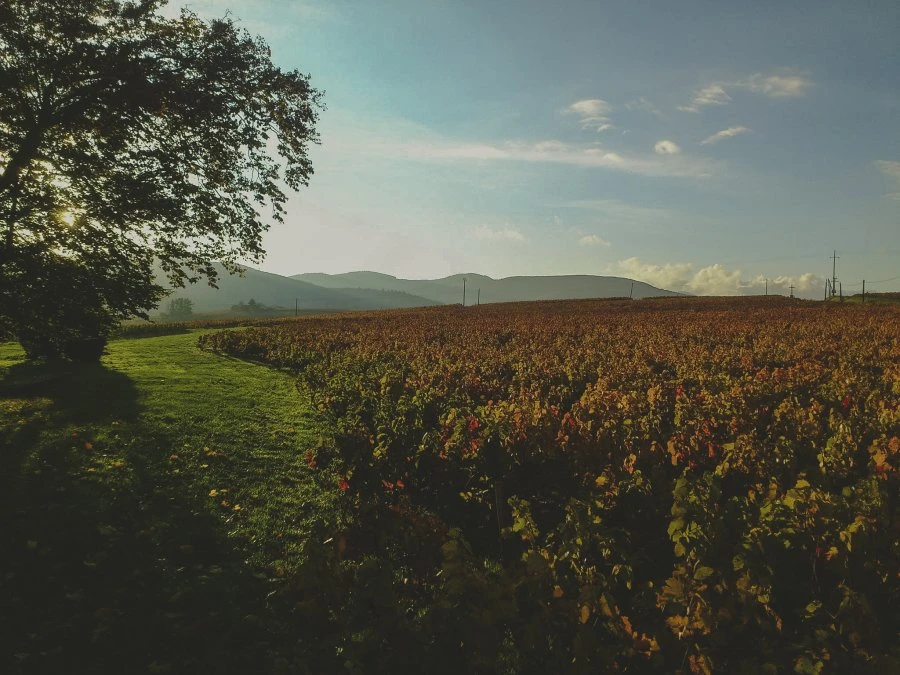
(509, 289)
(275, 290)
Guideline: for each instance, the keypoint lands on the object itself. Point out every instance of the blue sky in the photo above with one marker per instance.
(700, 146)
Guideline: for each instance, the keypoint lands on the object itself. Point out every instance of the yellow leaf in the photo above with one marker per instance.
(585, 613)
(213, 493)
(557, 592)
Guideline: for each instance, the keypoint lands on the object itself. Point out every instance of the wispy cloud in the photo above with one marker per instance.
(713, 94)
(592, 113)
(487, 233)
(730, 132)
(643, 104)
(777, 86)
(547, 151)
(593, 240)
(890, 169)
(782, 84)
(715, 279)
(666, 148)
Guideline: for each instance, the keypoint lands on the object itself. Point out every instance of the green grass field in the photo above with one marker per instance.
(149, 506)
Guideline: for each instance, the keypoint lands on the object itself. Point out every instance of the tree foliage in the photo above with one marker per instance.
(180, 309)
(131, 141)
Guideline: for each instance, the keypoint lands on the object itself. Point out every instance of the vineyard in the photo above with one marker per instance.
(673, 485)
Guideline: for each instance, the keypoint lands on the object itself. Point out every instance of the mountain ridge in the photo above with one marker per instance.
(448, 290)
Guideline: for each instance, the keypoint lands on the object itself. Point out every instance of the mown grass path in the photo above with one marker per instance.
(148, 506)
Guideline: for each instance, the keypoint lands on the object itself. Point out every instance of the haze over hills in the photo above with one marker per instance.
(509, 289)
(275, 290)
(373, 290)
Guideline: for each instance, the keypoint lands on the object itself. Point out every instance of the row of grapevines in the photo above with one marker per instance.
(661, 486)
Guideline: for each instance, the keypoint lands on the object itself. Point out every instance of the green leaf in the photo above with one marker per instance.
(675, 526)
(702, 573)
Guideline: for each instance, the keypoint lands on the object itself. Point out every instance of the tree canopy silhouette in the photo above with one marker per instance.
(130, 141)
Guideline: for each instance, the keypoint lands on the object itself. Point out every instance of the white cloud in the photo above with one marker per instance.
(715, 279)
(592, 113)
(549, 151)
(484, 232)
(644, 105)
(593, 240)
(713, 94)
(725, 133)
(890, 169)
(666, 148)
(782, 84)
(549, 146)
(349, 138)
(590, 107)
(777, 86)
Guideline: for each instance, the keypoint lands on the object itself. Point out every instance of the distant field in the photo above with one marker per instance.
(658, 486)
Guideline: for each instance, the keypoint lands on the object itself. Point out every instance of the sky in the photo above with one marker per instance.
(699, 146)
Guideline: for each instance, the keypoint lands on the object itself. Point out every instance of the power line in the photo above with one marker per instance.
(878, 281)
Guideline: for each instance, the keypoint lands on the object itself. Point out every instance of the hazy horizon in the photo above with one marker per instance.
(700, 148)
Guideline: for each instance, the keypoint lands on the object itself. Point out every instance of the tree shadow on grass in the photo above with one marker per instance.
(112, 559)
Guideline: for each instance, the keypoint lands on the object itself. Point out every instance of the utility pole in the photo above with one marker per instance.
(864, 291)
(841, 290)
(827, 287)
(834, 258)
(464, 291)
(792, 290)
(631, 293)
(478, 298)
(767, 285)
(296, 306)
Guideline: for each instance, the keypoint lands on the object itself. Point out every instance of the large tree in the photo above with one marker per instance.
(131, 142)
